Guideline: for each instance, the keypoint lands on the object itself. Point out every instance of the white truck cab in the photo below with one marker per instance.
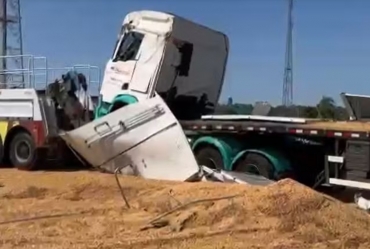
(182, 61)
(172, 69)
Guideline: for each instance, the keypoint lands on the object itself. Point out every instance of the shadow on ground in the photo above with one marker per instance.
(346, 195)
(56, 166)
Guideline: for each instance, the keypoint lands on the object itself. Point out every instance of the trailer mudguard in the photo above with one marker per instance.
(228, 147)
(279, 162)
(124, 98)
(104, 108)
(101, 110)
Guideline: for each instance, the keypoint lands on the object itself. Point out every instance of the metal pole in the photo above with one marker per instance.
(288, 70)
(18, 5)
(3, 46)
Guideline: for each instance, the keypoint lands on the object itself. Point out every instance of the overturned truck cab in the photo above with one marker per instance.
(146, 140)
(184, 62)
(164, 68)
(161, 54)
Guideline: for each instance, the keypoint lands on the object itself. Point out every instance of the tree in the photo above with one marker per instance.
(326, 108)
(243, 109)
(225, 109)
(310, 112)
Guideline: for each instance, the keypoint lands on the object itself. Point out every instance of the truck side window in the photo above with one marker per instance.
(186, 53)
(129, 47)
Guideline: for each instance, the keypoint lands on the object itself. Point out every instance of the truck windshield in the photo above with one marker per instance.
(129, 46)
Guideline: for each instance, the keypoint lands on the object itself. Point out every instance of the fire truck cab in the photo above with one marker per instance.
(30, 121)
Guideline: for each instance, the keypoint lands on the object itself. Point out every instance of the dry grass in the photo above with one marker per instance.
(85, 210)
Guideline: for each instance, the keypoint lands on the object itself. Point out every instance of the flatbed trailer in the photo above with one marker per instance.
(315, 152)
(351, 129)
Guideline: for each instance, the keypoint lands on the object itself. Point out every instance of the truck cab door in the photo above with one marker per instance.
(145, 72)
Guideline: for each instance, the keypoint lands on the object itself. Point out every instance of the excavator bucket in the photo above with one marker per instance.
(143, 139)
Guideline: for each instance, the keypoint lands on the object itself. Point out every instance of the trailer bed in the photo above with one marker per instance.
(351, 129)
(357, 126)
(357, 107)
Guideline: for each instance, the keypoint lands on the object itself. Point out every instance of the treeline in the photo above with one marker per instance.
(325, 109)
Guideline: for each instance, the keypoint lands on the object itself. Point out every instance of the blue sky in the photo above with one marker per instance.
(331, 40)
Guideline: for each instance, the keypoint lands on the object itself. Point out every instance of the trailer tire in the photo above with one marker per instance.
(22, 151)
(255, 164)
(210, 157)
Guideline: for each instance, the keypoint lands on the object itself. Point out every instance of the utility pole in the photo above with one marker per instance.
(11, 44)
(288, 70)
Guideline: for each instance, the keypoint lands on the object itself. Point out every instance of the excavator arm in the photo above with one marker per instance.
(70, 97)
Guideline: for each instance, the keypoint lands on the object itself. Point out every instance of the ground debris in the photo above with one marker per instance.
(283, 215)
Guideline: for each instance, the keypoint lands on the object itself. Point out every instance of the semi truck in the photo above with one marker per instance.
(156, 116)
(185, 64)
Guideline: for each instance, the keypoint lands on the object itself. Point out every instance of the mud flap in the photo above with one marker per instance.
(144, 137)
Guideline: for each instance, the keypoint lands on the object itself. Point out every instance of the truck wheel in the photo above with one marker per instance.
(1, 151)
(22, 151)
(209, 157)
(255, 164)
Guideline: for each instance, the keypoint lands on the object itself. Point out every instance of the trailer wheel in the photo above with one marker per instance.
(209, 157)
(22, 151)
(255, 164)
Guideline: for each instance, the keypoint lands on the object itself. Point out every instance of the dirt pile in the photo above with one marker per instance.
(85, 210)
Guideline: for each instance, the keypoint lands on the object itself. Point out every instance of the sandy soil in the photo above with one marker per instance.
(85, 210)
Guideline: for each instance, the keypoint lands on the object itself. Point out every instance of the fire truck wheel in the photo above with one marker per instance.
(1, 151)
(255, 164)
(209, 157)
(22, 151)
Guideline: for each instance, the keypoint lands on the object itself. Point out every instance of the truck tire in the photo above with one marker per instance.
(209, 157)
(255, 164)
(1, 151)
(22, 151)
